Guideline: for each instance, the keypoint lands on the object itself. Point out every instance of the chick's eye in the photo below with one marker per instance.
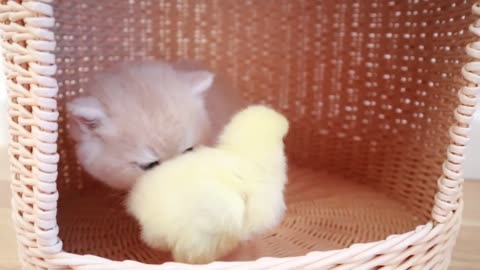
(149, 166)
(188, 149)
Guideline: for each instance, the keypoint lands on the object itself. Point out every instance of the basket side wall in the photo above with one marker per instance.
(368, 86)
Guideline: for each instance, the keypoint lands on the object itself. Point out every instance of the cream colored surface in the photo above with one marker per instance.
(8, 248)
(465, 255)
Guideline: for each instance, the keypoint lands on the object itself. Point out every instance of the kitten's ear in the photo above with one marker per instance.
(87, 112)
(198, 81)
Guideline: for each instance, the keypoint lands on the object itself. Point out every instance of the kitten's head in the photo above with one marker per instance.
(133, 118)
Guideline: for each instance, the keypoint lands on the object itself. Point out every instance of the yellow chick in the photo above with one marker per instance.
(202, 204)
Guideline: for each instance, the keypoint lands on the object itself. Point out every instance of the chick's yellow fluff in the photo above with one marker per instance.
(201, 205)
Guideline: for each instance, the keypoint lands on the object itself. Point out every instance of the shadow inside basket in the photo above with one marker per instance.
(324, 212)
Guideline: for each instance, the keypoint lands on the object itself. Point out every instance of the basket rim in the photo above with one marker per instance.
(37, 33)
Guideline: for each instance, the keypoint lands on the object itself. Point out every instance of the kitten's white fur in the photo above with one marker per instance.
(138, 113)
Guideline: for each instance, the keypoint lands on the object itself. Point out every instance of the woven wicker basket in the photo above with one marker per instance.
(374, 90)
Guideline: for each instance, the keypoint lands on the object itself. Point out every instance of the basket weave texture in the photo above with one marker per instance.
(380, 95)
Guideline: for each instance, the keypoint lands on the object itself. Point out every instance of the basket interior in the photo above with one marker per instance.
(325, 212)
(368, 86)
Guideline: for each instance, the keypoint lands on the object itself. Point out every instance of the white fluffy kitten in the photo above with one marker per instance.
(133, 117)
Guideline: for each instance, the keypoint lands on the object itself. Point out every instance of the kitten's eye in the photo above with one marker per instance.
(149, 166)
(188, 150)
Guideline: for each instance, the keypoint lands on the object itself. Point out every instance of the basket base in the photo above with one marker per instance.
(324, 212)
